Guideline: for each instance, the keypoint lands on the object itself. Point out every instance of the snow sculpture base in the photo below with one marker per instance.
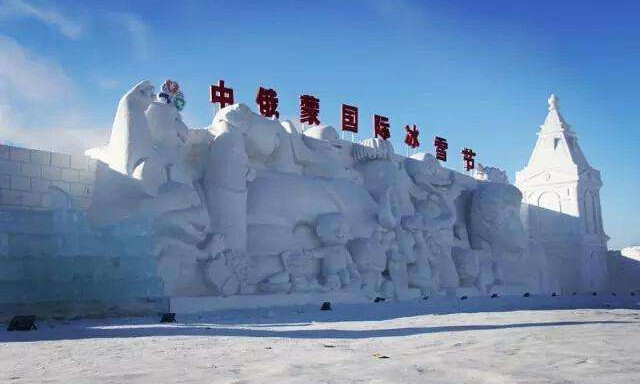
(203, 304)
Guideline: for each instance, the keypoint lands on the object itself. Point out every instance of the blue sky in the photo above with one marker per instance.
(476, 72)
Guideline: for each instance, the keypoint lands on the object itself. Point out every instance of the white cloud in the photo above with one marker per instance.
(108, 83)
(63, 140)
(28, 77)
(69, 28)
(137, 30)
(38, 108)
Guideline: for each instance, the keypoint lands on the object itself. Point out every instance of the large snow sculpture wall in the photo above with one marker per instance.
(252, 206)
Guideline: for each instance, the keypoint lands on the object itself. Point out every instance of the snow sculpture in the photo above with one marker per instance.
(225, 272)
(151, 145)
(437, 215)
(508, 261)
(130, 140)
(370, 257)
(252, 206)
(562, 212)
(338, 269)
(492, 174)
(388, 183)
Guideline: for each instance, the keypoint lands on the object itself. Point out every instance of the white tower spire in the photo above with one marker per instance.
(561, 196)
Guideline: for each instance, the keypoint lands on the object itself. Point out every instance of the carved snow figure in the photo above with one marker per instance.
(370, 257)
(385, 178)
(495, 227)
(301, 266)
(440, 258)
(398, 286)
(425, 169)
(226, 273)
(388, 183)
(165, 160)
(491, 174)
(298, 274)
(337, 268)
(130, 139)
(253, 159)
(150, 144)
(180, 225)
(325, 144)
(410, 264)
(421, 269)
(437, 214)
(168, 175)
(225, 180)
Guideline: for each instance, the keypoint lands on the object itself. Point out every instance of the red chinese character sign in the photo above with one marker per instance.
(309, 110)
(349, 118)
(467, 157)
(267, 100)
(381, 127)
(221, 94)
(441, 148)
(411, 137)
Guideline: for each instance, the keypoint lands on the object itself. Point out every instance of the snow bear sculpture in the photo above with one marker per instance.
(495, 228)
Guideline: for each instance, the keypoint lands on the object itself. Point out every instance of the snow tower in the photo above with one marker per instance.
(561, 206)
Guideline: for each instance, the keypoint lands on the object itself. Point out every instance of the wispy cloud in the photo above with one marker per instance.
(108, 83)
(38, 108)
(28, 77)
(20, 8)
(137, 30)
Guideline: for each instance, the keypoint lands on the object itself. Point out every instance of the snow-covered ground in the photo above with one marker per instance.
(358, 343)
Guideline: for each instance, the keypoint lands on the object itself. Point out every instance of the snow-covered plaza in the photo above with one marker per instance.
(382, 343)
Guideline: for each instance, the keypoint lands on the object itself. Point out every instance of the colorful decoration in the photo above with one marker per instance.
(172, 95)
(178, 101)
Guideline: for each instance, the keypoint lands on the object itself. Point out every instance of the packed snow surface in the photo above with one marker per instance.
(373, 343)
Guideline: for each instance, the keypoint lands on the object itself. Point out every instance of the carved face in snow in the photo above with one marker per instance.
(424, 169)
(168, 132)
(495, 218)
(332, 229)
(140, 96)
